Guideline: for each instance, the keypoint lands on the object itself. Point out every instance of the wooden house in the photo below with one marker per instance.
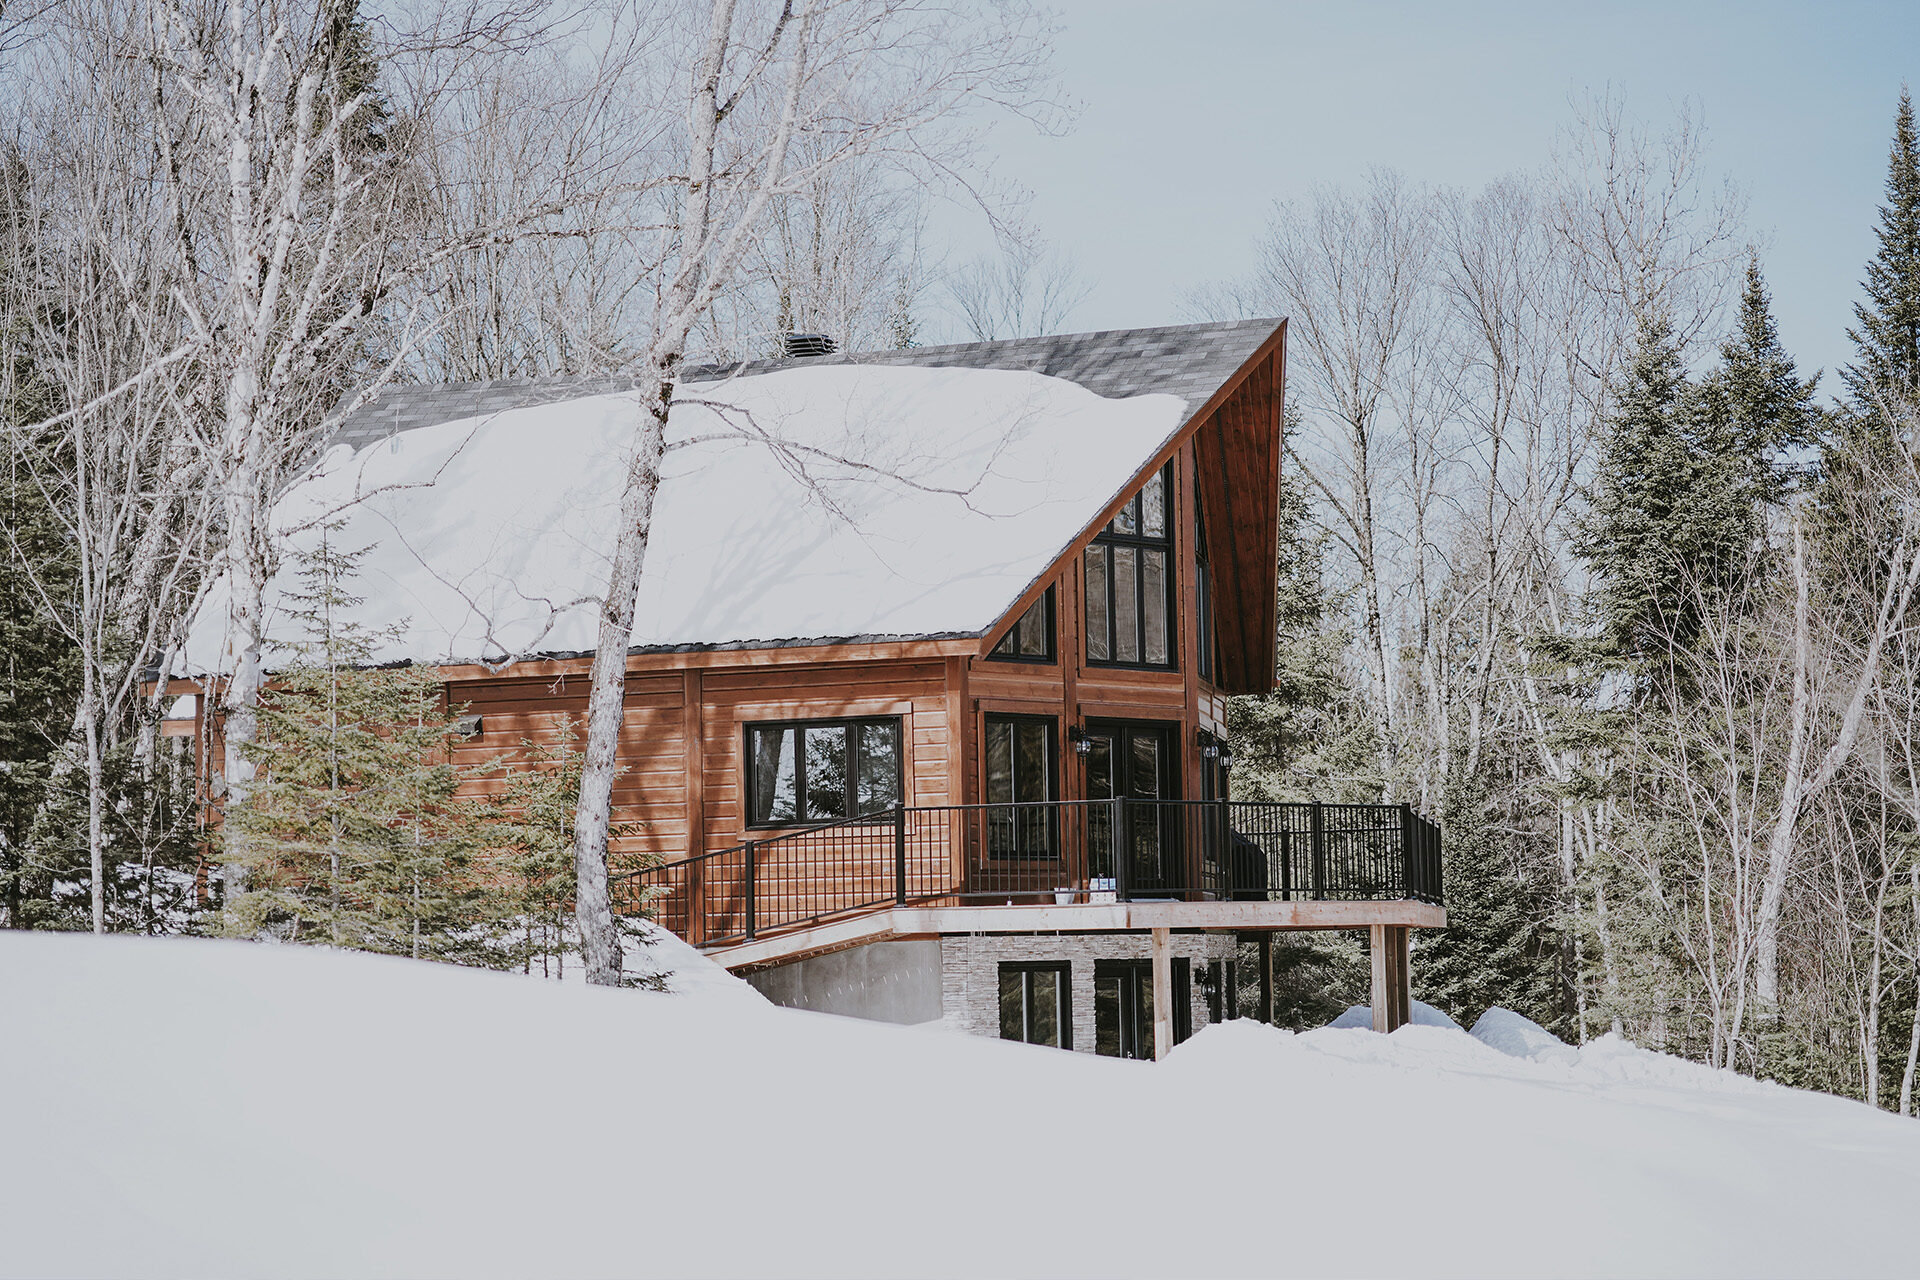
(925, 710)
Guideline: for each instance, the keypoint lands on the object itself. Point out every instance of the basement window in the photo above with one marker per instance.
(1036, 1005)
(807, 772)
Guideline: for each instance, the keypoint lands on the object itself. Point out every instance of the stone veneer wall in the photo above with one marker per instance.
(970, 972)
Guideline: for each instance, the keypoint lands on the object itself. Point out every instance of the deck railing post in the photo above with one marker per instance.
(1317, 848)
(900, 855)
(1122, 855)
(1409, 854)
(753, 847)
(1224, 851)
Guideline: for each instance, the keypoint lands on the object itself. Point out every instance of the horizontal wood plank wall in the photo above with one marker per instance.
(651, 789)
(913, 689)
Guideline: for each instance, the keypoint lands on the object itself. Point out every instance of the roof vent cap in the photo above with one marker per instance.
(797, 346)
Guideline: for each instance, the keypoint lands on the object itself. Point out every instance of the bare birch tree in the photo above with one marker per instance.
(774, 98)
(1026, 288)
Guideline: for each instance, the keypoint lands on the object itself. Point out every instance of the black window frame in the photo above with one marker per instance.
(1111, 538)
(1051, 827)
(851, 724)
(1132, 992)
(1025, 969)
(1052, 654)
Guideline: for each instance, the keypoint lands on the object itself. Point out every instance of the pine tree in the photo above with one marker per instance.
(39, 664)
(1853, 503)
(531, 832)
(1757, 411)
(1314, 736)
(1886, 333)
(353, 834)
(1672, 506)
(1491, 952)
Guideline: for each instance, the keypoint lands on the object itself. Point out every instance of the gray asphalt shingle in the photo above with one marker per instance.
(1190, 361)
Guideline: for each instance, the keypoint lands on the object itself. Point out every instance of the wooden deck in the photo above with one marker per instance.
(895, 922)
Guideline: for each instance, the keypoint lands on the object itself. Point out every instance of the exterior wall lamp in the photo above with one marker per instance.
(1080, 740)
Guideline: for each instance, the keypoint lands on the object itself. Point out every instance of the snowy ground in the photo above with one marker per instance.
(208, 1108)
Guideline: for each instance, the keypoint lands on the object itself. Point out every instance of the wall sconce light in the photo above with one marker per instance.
(1080, 740)
(1226, 758)
(1210, 751)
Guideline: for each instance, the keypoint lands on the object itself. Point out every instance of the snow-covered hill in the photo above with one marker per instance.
(206, 1108)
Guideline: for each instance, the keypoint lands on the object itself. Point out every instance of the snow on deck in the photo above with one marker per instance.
(931, 498)
(224, 1108)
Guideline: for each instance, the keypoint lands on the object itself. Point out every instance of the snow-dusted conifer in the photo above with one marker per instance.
(353, 835)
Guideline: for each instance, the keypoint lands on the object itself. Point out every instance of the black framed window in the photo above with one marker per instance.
(1021, 774)
(811, 771)
(1036, 1004)
(1129, 582)
(1123, 1006)
(1031, 639)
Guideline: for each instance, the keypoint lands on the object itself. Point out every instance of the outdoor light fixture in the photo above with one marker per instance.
(1226, 758)
(1079, 740)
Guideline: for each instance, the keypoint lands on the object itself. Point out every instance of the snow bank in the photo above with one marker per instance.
(1519, 1036)
(218, 1108)
(942, 493)
(1361, 1015)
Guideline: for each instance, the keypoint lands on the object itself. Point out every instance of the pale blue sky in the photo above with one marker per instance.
(1198, 115)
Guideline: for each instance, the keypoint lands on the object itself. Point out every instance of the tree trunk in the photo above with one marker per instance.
(96, 803)
(606, 699)
(1913, 1035)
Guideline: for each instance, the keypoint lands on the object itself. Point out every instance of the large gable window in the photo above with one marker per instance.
(1031, 639)
(1130, 583)
(813, 771)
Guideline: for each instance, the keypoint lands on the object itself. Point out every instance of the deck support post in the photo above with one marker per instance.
(1266, 976)
(1162, 993)
(1392, 996)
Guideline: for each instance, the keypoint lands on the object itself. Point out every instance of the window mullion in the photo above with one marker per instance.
(801, 809)
(853, 768)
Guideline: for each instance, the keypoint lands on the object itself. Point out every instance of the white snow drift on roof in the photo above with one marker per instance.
(932, 498)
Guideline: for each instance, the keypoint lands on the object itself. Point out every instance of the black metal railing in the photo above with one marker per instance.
(1066, 853)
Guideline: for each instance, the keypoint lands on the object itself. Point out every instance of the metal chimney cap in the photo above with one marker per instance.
(797, 346)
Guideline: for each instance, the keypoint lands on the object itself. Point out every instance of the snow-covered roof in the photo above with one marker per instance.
(803, 501)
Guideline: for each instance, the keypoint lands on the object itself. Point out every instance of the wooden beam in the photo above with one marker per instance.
(1162, 993)
(1119, 917)
(1402, 974)
(1377, 999)
(1392, 996)
(694, 745)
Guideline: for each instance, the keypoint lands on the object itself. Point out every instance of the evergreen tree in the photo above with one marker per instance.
(1756, 412)
(39, 664)
(1886, 330)
(354, 836)
(530, 832)
(1854, 504)
(1314, 736)
(1672, 511)
(1491, 952)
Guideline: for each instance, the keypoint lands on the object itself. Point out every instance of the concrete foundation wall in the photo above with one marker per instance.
(881, 982)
